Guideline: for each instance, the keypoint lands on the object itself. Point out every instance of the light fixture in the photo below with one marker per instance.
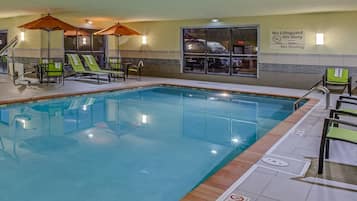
(90, 135)
(144, 119)
(214, 152)
(84, 41)
(84, 108)
(89, 21)
(144, 40)
(320, 40)
(215, 20)
(22, 36)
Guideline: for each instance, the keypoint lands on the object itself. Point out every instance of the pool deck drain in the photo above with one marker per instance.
(275, 161)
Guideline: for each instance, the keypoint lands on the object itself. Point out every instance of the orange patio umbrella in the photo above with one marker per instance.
(48, 23)
(118, 30)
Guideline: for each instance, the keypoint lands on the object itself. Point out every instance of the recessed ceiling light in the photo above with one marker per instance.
(89, 21)
(215, 20)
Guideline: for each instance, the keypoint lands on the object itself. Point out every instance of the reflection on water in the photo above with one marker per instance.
(113, 144)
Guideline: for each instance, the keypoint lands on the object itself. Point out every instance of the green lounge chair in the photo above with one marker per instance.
(338, 77)
(93, 66)
(79, 69)
(332, 131)
(50, 69)
(349, 100)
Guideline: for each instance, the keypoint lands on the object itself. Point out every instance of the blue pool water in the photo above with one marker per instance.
(149, 144)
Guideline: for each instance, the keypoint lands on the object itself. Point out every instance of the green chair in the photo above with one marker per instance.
(49, 69)
(93, 66)
(338, 77)
(138, 68)
(54, 70)
(79, 69)
(332, 131)
(115, 64)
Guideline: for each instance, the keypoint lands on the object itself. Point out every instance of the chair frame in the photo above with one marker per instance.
(139, 66)
(325, 140)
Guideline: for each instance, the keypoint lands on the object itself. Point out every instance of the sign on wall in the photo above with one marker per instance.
(287, 39)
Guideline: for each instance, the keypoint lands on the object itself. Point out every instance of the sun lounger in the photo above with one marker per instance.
(93, 66)
(79, 69)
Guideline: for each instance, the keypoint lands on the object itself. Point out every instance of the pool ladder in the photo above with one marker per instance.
(316, 87)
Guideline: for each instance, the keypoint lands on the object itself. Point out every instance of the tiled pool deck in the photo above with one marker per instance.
(291, 141)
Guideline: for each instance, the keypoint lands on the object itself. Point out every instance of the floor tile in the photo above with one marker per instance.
(282, 188)
(256, 182)
(321, 193)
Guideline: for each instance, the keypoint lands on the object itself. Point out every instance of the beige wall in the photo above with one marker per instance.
(339, 29)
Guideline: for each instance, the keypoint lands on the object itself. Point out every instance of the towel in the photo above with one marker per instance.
(57, 65)
(90, 59)
(75, 61)
(338, 72)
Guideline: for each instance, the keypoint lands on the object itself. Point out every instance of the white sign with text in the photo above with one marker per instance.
(287, 39)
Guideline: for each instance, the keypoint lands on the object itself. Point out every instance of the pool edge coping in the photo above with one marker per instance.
(143, 84)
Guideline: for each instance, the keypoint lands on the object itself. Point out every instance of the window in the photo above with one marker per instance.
(86, 43)
(195, 50)
(223, 51)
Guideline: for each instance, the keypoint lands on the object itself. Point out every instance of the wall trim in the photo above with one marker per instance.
(343, 60)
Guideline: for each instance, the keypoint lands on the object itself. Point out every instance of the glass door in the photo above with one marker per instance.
(194, 48)
(244, 51)
(218, 51)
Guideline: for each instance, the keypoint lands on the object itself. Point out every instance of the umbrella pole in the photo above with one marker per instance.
(48, 46)
(118, 36)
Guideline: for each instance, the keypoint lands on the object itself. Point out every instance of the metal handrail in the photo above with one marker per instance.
(10, 44)
(323, 89)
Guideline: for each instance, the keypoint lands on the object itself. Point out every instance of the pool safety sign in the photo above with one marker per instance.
(287, 39)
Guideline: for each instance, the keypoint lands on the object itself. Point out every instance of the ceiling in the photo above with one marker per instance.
(143, 10)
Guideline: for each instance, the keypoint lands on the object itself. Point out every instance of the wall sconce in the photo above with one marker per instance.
(22, 36)
(320, 39)
(84, 41)
(144, 40)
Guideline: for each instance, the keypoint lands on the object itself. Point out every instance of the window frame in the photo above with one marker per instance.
(231, 27)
